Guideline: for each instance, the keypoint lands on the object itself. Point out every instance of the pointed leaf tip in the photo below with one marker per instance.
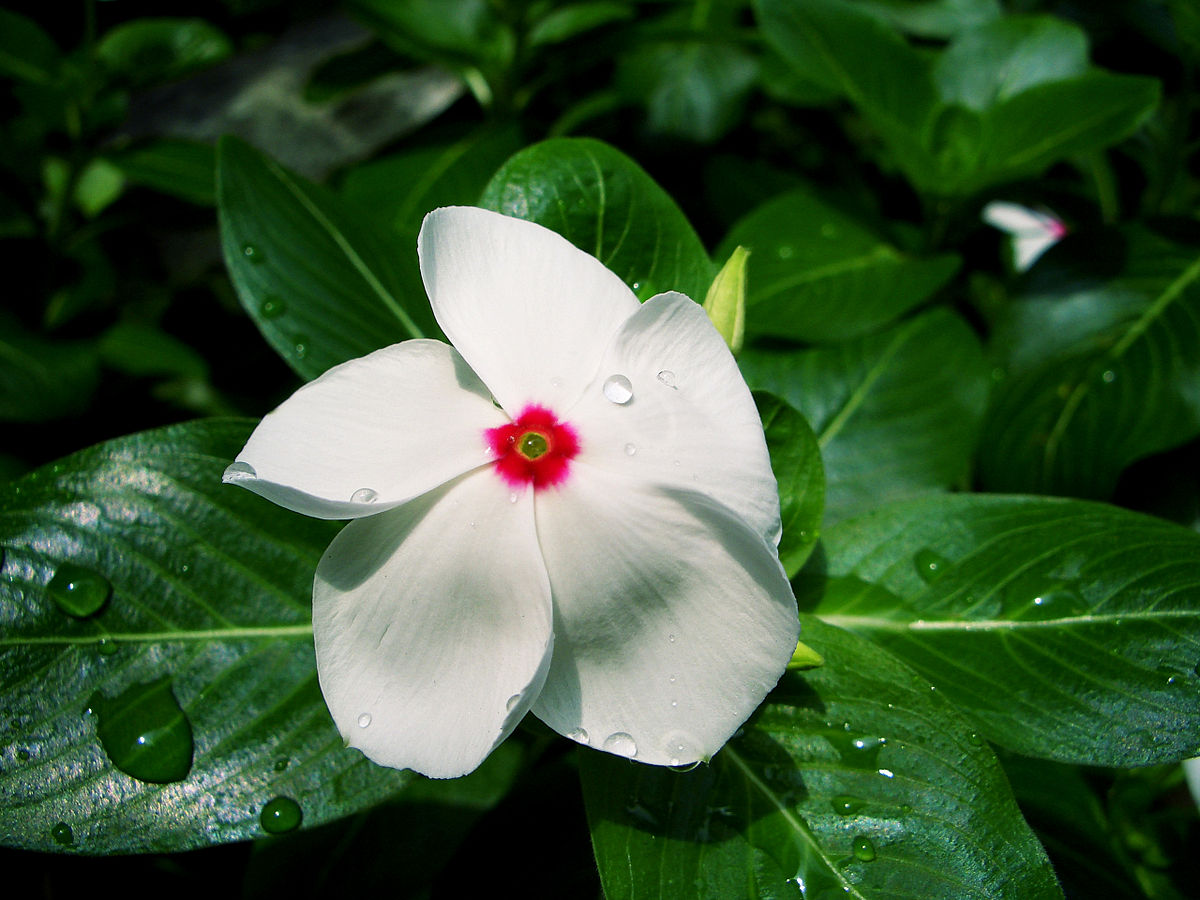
(726, 300)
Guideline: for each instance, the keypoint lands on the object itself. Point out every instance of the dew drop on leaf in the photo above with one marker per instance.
(618, 389)
(145, 732)
(271, 308)
(253, 253)
(846, 804)
(62, 834)
(862, 848)
(621, 744)
(107, 647)
(281, 764)
(78, 591)
(930, 565)
(23, 755)
(280, 816)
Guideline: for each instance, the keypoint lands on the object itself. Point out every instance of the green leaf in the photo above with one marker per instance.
(1102, 365)
(1038, 618)
(932, 18)
(986, 65)
(603, 203)
(692, 90)
(817, 274)
(318, 277)
(458, 32)
(141, 349)
(27, 53)
(853, 780)
(571, 20)
(183, 169)
(147, 51)
(210, 587)
(895, 413)
(42, 379)
(796, 462)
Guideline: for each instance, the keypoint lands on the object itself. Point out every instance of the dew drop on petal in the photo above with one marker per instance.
(667, 377)
(671, 638)
(364, 495)
(630, 449)
(512, 702)
(514, 497)
(364, 720)
(579, 735)
(239, 471)
(621, 744)
(618, 389)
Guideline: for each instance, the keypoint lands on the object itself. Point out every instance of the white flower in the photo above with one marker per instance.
(598, 544)
(1033, 232)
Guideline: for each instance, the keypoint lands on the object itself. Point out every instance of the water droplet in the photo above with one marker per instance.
(107, 647)
(667, 377)
(785, 251)
(239, 471)
(62, 834)
(281, 815)
(300, 347)
(847, 805)
(281, 764)
(671, 638)
(930, 566)
(512, 702)
(364, 495)
(271, 308)
(672, 679)
(630, 449)
(78, 591)
(364, 720)
(618, 389)
(144, 732)
(621, 744)
(684, 767)
(674, 704)
(23, 755)
(252, 253)
(1108, 376)
(974, 739)
(862, 848)
(514, 497)
(860, 752)
(579, 735)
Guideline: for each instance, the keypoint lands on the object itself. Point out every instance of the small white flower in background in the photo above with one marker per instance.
(598, 545)
(1033, 232)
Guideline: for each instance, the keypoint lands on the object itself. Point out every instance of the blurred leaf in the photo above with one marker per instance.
(27, 53)
(796, 462)
(1103, 366)
(565, 22)
(853, 780)
(1037, 617)
(692, 90)
(42, 379)
(139, 349)
(148, 51)
(320, 280)
(895, 413)
(932, 18)
(816, 274)
(448, 31)
(210, 587)
(98, 185)
(987, 65)
(183, 169)
(603, 203)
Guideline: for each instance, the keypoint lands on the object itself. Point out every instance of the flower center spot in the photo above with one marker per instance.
(534, 449)
(533, 445)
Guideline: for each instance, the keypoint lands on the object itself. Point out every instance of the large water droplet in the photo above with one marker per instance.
(621, 744)
(512, 702)
(630, 449)
(579, 735)
(1108, 376)
(1058, 602)
(846, 804)
(364, 720)
(364, 495)
(62, 834)
(667, 377)
(78, 591)
(271, 308)
(281, 764)
(930, 565)
(859, 752)
(281, 815)
(239, 471)
(144, 732)
(862, 848)
(618, 389)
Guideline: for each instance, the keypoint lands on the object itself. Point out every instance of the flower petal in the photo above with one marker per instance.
(690, 424)
(673, 619)
(433, 627)
(371, 433)
(528, 310)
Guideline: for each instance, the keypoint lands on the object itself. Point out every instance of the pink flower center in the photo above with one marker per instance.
(535, 448)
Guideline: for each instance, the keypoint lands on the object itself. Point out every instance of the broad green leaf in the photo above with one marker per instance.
(142, 349)
(573, 19)
(146, 51)
(1038, 618)
(1103, 361)
(987, 65)
(317, 276)
(97, 186)
(895, 413)
(933, 18)
(603, 203)
(183, 169)
(796, 462)
(692, 90)
(42, 379)
(203, 584)
(452, 31)
(27, 53)
(853, 780)
(817, 274)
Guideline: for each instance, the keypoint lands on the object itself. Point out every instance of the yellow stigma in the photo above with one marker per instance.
(532, 444)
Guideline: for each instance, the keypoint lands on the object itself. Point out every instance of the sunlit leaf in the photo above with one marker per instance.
(796, 462)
